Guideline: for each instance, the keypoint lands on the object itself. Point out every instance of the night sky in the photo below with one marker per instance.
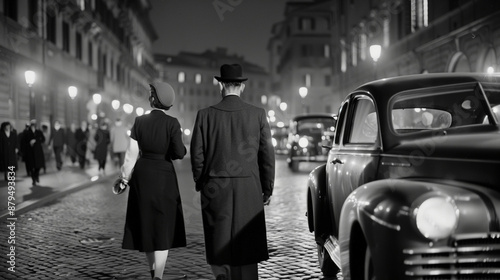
(241, 26)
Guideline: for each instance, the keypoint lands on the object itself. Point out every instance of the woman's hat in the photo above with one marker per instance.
(165, 93)
(231, 73)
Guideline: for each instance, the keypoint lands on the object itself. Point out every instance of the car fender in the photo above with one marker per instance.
(383, 210)
(318, 218)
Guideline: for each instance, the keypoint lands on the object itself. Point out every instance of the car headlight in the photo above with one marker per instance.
(436, 217)
(303, 142)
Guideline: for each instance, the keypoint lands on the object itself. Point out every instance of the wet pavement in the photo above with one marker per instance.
(78, 235)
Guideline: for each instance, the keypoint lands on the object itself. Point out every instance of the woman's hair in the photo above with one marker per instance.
(154, 102)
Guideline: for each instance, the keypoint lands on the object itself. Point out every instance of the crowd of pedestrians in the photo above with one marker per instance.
(35, 145)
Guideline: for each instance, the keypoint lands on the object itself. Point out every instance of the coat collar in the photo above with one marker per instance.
(231, 103)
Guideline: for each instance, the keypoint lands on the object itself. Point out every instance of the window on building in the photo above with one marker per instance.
(10, 9)
(307, 80)
(354, 53)
(197, 78)
(32, 13)
(66, 39)
(181, 77)
(326, 50)
(90, 58)
(343, 57)
(306, 23)
(363, 46)
(51, 28)
(81, 4)
(104, 65)
(419, 14)
(386, 35)
(78, 45)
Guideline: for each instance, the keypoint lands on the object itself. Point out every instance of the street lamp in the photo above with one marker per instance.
(303, 93)
(73, 92)
(375, 52)
(30, 77)
(115, 104)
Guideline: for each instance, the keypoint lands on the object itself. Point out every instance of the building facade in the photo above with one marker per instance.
(192, 77)
(93, 46)
(415, 36)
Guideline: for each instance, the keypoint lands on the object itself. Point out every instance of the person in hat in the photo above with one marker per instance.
(33, 139)
(154, 220)
(233, 166)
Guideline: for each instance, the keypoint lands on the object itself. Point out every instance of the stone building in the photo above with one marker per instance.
(192, 77)
(415, 36)
(94, 46)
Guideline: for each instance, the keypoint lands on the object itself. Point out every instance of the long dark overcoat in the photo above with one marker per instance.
(35, 157)
(102, 140)
(232, 161)
(8, 146)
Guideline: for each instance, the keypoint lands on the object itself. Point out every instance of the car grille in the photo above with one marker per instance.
(469, 257)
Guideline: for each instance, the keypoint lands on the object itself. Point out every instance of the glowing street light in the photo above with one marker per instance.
(139, 111)
(303, 92)
(375, 52)
(115, 104)
(97, 98)
(128, 108)
(283, 106)
(72, 92)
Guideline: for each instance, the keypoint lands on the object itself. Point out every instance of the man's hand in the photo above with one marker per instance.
(266, 199)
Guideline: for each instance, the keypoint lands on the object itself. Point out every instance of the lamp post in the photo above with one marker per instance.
(30, 77)
(303, 93)
(375, 52)
(73, 92)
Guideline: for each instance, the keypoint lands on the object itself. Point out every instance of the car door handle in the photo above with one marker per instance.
(336, 160)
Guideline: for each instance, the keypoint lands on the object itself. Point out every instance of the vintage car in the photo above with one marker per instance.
(307, 135)
(411, 188)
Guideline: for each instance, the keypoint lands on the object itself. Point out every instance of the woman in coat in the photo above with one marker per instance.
(102, 140)
(8, 149)
(33, 139)
(154, 221)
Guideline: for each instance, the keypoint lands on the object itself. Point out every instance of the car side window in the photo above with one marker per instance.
(364, 125)
(340, 122)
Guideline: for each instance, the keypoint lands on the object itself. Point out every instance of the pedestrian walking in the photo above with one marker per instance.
(102, 141)
(57, 140)
(119, 141)
(232, 161)
(33, 139)
(71, 143)
(22, 152)
(8, 149)
(81, 137)
(154, 220)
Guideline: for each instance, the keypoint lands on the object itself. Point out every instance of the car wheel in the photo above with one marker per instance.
(327, 266)
(294, 165)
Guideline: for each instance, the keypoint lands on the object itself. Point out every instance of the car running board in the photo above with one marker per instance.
(332, 247)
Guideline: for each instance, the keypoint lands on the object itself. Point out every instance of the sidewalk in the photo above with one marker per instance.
(53, 184)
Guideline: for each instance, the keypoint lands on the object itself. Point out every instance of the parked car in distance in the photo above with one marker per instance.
(280, 139)
(411, 187)
(308, 134)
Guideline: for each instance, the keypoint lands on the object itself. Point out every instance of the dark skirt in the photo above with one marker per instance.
(154, 220)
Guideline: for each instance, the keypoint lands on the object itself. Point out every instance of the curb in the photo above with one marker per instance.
(29, 205)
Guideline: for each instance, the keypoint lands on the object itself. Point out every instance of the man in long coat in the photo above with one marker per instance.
(33, 139)
(232, 161)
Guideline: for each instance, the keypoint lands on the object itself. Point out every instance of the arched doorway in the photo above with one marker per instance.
(459, 63)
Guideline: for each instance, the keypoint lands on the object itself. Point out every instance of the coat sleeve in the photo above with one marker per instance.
(176, 148)
(197, 154)
(266, 157)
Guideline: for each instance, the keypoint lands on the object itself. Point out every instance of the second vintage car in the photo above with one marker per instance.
(307, 135)
(411, 188)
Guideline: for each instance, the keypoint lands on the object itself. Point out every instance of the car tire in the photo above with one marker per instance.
(294, 165)
(327, 266)
(362, 262)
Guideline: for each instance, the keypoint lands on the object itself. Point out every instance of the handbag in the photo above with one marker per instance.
(119, 186)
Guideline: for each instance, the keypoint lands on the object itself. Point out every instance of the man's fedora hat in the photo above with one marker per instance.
(231, 73)
(164, 93)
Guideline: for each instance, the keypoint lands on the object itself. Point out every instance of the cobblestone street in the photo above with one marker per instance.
(79, 236)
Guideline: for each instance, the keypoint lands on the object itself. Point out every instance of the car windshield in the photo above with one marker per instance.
(444, 107)
(315, 125)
